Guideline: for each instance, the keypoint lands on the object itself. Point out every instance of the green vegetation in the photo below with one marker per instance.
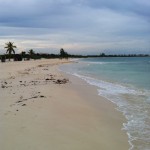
(10, 48)
(63, 54)
(31, 54)
(23, 54)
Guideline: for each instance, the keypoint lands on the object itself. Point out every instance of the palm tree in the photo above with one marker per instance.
(10, 48)
(23, 53)
(31, 52)
(63, 54)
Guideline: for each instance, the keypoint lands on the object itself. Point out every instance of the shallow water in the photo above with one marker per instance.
(125, 82)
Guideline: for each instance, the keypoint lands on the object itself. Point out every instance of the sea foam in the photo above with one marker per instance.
(125, 82)
(132, 103)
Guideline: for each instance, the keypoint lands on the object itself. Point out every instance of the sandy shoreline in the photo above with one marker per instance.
(42, 108)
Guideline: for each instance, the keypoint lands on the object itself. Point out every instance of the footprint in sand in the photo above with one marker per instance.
(7, 113)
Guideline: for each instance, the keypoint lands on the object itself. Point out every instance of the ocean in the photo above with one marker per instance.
(125, 81)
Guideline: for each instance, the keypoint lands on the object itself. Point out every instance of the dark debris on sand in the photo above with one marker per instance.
(44, 80)
(61, 81)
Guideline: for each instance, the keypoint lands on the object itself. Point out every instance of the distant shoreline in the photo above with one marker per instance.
(56, 56)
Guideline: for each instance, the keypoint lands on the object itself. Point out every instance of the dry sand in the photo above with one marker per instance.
(42, 108)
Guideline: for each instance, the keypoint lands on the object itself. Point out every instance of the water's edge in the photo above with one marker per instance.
(123, 124)
(132, 102)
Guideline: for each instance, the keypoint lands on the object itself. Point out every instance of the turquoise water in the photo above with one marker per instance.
(125, 82)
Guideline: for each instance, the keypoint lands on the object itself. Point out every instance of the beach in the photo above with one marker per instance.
(42, 108)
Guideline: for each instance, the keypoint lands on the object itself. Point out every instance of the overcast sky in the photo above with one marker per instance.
(78, 26)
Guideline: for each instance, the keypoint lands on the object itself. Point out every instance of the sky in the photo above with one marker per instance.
(78, 26)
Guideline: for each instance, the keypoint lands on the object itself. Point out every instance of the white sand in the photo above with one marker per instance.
(38, 114)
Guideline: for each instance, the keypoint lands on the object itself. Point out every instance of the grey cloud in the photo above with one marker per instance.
(49, 13)
(24, 12)
(76, 25)
(132, 6)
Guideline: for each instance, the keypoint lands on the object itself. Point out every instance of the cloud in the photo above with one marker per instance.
(78, 26)
(39, 13)
(129, 6)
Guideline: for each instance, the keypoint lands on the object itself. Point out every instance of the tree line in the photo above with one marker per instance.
(31, 54)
